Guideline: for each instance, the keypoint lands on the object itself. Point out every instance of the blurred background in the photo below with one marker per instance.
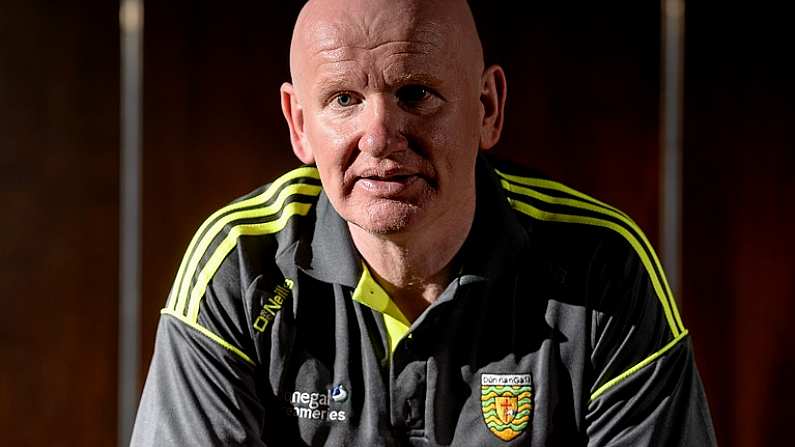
(584, 107)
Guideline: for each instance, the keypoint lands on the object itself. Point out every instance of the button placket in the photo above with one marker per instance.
(408, 393)
(413, 410)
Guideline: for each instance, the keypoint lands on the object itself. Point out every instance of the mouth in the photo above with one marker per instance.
(388, 184)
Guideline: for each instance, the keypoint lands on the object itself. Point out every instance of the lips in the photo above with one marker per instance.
(387, 183)
(383, 173)
(389, 178)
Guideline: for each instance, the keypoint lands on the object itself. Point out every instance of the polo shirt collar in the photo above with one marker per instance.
(497, 238)
(328, 253)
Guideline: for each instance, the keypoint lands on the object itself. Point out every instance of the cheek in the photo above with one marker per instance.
(453, 140)
(331, 145)
(325, 142)
(331, 141)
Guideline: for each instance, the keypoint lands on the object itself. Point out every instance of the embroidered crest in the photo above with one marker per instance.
(507, 403)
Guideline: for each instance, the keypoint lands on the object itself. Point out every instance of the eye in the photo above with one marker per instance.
(412, 94)
(344, 100)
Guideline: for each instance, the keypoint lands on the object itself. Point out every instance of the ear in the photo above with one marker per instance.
(493, 91)
(294, 114)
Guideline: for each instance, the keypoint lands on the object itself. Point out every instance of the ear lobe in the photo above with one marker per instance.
(493, 92)
(294, 115)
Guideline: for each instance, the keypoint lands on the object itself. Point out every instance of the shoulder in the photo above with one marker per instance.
(556, 212)
(234, 252)
(578, 231)
(542, 199)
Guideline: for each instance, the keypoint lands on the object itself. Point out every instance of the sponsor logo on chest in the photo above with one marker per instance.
(317, 406)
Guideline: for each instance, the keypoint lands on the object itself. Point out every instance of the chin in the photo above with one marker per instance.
(387, 217)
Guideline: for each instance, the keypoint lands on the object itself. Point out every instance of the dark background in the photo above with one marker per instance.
(582, 106)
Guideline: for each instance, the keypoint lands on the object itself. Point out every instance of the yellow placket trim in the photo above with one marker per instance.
(372, 295)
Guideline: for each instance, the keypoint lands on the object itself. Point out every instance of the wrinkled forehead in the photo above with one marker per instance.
(344, 33)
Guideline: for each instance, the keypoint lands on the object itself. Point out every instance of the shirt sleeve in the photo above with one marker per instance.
(646, 389)
(201, 387)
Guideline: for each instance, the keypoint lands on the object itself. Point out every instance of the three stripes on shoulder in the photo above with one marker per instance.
(264, 213)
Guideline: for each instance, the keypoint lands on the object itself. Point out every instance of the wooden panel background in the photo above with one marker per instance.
(583, 105)
(739, 245)
(59, 84)
(212, 124)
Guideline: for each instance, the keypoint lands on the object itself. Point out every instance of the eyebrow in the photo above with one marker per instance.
(335, 83)
(338, 83)
(416, 78)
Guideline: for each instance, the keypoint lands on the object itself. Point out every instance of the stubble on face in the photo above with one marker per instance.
(389, 215)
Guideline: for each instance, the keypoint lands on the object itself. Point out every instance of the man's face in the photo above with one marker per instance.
(391, 112)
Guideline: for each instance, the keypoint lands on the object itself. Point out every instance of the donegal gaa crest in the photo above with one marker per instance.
(507, 402)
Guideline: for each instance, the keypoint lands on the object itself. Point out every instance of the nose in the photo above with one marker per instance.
(382, 128)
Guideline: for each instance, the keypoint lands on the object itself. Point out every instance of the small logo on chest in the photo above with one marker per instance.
(338, 394)
(507, 403)
(273, 305)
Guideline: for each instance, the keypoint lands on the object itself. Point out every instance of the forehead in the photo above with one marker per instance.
(345, 37)
(379, 26)
(344, 48)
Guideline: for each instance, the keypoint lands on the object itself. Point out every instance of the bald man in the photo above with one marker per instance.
(401, 289)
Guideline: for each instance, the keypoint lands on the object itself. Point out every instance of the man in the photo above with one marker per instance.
(405, 291)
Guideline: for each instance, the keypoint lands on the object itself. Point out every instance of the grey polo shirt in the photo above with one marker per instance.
(559, 329)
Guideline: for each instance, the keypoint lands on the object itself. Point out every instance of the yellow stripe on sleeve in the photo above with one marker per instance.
(209, 334)
(623, 376)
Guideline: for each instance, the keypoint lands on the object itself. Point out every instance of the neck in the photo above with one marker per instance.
(415, 267)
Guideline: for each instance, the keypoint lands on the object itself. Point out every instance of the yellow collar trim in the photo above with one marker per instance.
(372, 295)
